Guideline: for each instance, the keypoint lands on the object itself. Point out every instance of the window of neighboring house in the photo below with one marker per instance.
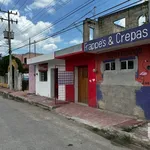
(127, 64)
(91, 33)
(43, 76)
(25, 60)
(109, 66)
(121, 22)
(142, 20)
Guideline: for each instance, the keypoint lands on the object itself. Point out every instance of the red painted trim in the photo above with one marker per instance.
(68, 55)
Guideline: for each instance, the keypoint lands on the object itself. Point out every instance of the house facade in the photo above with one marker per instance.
(122, 60)
(43, 79)
(83, 89)
(110, 72)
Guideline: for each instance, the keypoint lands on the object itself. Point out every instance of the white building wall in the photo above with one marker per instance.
(44, 88)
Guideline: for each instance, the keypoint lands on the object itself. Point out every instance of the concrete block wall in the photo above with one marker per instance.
(131, 15)
(105, 25)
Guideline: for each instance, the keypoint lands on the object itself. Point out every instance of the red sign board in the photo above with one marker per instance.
(43, 67)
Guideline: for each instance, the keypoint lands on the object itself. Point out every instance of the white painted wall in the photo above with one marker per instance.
(44, 88)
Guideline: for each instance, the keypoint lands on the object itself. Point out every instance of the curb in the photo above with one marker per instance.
(115, 135)
(25, 100)
(111, 133)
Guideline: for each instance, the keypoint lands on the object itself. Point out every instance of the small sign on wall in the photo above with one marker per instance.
(43, 67)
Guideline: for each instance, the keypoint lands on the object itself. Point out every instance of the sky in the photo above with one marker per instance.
(38, 19)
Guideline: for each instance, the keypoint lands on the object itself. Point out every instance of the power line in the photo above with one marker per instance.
(77, 24)
(23, 4)
(63, 30)
(15, 4)
(37, 17)
(65, 16)
(59, 32)
(75, 12)
(30, 24)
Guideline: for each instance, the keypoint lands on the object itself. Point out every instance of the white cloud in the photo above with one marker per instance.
(26, 29)
(42, 4)
(75, 41)
(6, 2)
(37, 4)
(49, 5)
(50, 47)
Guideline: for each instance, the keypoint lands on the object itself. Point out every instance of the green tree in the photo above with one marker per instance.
(4, 63)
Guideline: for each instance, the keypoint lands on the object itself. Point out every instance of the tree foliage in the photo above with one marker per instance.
(4, 63)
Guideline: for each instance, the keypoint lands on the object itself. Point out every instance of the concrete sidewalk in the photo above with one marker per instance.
(111, 123)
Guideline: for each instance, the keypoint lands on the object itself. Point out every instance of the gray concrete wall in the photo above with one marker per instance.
(105, 24)
(131, 15)
(119, 98)
(118, 90)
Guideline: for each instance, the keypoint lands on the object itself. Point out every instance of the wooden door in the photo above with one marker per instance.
(83, 84)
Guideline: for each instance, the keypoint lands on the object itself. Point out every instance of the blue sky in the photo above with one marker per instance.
(35, 16)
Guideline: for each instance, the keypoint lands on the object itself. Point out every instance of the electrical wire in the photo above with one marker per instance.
(68, 27)
(65, 16)
(15, 4)
(23, 4)
(75, 12)
(37, 16)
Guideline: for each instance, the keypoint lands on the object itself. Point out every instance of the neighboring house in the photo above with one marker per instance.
(82, 65)
(43, 76)
(23, 58)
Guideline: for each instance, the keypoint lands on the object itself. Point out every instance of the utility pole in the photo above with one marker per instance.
(94, 13)
(29, 46)
(35, 48)
(9, 35)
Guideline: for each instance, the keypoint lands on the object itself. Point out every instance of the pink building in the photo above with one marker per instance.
(23, 58)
